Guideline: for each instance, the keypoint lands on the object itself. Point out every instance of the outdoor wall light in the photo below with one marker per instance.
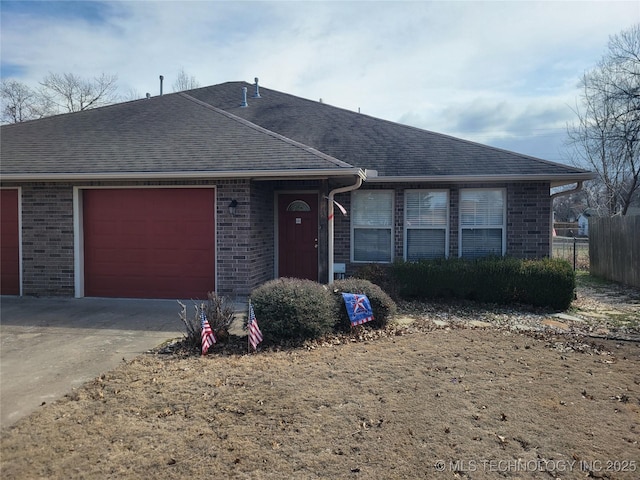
(233, 207)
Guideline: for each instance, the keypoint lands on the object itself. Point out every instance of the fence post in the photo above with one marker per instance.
(574, 254)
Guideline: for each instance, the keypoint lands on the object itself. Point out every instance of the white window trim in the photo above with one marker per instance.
(446, 228)
(503, 227)
(353, 227)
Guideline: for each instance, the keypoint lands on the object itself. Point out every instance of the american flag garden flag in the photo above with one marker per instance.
(208, 338)
(255, 335)
(358, 308)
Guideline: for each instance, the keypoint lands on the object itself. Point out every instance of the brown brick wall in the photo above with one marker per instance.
(246, 243)
(47, 240)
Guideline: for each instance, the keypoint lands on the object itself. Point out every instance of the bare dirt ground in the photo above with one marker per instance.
(448, 391)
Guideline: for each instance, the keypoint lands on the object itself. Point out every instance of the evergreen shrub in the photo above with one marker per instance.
(292, 308)
(548, 283)
(382, 305)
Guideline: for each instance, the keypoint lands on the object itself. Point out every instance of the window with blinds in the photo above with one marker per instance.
(426, 224)
(371, 225)
(482, 222)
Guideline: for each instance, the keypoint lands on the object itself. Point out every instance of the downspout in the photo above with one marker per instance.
(330, 227)
(577, 188)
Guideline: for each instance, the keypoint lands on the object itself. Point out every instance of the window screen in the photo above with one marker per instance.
(371, 225)
(482, 222)
(426, 224)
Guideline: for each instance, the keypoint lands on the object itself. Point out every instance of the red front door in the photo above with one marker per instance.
(298, 235)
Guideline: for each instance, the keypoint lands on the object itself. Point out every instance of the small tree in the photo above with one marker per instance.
(72, 93)
(21, 103)
(184, 82)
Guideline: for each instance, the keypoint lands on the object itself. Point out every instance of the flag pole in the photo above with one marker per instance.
(248, 329)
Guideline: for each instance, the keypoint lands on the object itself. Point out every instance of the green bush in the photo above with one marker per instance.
(291, 308)
(379, 274)
(548, 283)
(382, 305)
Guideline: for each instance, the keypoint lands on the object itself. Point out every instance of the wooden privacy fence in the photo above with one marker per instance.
(614, 249)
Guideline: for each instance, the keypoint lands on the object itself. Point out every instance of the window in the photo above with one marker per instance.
(426, 224)
(371, 226)
(482, 223)
(298, 206)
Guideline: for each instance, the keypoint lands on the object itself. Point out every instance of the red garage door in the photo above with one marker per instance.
(149, 243)
(9, 243)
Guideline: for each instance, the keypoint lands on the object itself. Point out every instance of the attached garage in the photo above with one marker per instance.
(9, 242)
(149, 242)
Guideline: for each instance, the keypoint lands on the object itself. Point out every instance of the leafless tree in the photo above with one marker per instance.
(606, 135)
(72, 93)
(184, 82)
(21, 103)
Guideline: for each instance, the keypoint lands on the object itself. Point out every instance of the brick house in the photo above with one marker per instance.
(225, 187)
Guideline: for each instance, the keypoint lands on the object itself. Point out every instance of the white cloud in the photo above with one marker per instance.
(491, 69)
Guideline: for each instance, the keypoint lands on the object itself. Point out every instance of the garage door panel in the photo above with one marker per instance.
(149, 243)
(9, 243)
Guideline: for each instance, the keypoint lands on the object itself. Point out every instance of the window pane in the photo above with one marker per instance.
(372, 245)
(482, 208)
(372, 209)
(481, 242)
(426, 209)
(423, 243)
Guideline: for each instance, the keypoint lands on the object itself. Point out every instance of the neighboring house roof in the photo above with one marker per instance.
(398, 152)
(206, 132)
(169, 136)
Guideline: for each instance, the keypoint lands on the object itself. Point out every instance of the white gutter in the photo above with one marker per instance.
(331, 225)
(195, 175)
(555, 180)
(577, 188)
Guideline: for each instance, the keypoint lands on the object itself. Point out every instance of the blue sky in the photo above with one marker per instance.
(500, 73)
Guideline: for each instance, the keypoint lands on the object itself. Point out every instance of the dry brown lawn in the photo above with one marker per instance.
(424, 402)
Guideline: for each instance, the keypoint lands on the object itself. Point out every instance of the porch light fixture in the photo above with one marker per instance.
(233, 207)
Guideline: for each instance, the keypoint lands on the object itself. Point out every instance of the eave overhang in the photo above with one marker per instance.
(299, 174)
(557, 180)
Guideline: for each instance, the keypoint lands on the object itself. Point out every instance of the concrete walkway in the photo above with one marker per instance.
(50, 345)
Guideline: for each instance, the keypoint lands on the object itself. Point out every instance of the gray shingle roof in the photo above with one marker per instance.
(392, 149)
(168, 134)
(206, 131)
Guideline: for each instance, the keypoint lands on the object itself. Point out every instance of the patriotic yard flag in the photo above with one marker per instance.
(208, 338)
(358, 308)
(255, 335)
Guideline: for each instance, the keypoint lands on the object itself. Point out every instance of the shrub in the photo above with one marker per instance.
(220, 313)
(546, 283)
(381, 275)
(382, 305)
(291, 308)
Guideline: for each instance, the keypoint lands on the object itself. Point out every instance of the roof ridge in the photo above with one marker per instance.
(247, 123)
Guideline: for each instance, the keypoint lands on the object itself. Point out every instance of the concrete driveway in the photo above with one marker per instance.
(50, 345)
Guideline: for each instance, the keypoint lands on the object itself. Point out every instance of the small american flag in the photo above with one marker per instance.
(208, 338)
(255, 335)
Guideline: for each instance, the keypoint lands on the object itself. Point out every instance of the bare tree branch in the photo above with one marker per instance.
(72, 93)
(184, 82)
(606, 135)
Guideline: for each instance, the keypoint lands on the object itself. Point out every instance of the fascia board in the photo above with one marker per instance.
(121, 176)
(555, 180)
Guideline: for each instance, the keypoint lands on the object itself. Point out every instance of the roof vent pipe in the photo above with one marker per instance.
(161, 79)
(148, 95)
(257, 92)
(244, 97)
